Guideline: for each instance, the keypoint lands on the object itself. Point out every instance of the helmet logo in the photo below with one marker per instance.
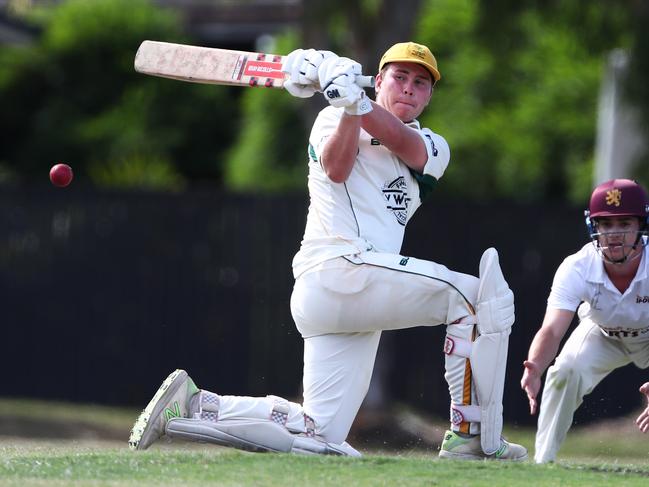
(418, 52)
(614, 197)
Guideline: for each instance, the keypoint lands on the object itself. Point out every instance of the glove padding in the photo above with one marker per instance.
(302, 68)
(334, 67)
(361, 107)
(338, 81)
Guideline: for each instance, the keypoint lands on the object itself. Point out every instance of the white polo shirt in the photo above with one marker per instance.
(370, 210)
(581, 278)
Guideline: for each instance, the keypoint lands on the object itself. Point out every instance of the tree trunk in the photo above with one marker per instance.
(365, 35)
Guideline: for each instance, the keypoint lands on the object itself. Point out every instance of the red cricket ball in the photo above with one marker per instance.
(61, 175)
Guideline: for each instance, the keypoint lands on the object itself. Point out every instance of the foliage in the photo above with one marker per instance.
(137, 171)
(518, 98)
(73, 96)
(517, 101)
(270, 152)
(637, 86)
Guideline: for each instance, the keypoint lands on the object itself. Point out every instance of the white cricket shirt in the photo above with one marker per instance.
(581, 278)
(370, 210)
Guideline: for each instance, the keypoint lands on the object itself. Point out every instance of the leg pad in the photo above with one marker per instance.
(244, 434)
(254, 435)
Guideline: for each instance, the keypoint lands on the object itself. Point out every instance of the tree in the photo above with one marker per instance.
(519, 93)
(517, 100)
(73, 96)
(637, 88)
(270, 153)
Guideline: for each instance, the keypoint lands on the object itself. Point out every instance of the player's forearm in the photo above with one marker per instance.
(543, 349)
(546, 343)
(341, 149)
(396, 136)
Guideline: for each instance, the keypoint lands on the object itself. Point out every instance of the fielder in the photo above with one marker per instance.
(370, 164)
(610, 278)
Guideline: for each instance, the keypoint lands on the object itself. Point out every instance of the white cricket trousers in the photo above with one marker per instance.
(586, 358)
(340, 308)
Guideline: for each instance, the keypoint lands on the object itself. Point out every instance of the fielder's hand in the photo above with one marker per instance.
(302, 67)
(531, 384)
(643, 419)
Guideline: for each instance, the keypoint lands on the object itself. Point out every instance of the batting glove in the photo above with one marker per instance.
(361, 107)
(302, 68)
(334, 67)
(338, 81)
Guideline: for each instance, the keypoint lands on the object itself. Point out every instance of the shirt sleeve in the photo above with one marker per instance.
(568, 288)
(438, 151)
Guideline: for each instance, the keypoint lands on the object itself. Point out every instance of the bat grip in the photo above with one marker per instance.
(365, 81)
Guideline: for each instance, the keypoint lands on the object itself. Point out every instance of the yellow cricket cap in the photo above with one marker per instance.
(411, 52)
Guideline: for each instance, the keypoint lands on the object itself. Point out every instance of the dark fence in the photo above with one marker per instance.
(104, 293)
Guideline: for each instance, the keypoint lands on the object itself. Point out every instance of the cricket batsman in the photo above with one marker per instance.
(370, 166)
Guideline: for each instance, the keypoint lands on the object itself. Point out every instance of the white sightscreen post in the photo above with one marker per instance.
(618, 140)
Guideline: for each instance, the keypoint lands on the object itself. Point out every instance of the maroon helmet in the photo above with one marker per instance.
(619, 197)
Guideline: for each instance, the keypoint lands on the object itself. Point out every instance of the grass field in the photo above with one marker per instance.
(91, 450)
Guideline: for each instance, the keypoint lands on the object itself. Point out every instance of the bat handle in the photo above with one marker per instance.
(365, 81)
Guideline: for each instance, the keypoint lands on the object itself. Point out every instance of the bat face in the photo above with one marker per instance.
(209, 65)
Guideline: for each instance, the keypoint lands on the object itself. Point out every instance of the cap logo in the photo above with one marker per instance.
(613, 197)
(418, 51)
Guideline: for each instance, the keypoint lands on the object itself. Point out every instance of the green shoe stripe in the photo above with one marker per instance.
(172, 413)
(501, 451)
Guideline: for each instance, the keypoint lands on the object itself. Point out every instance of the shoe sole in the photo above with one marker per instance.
(168, 388)
(468, 456)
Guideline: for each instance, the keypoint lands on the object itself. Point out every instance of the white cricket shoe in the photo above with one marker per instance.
(170, 401)
(463, 448)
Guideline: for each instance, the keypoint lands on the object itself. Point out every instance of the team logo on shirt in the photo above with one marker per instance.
(622, 332)
(432, 144)
(396, 197)
(641, 299)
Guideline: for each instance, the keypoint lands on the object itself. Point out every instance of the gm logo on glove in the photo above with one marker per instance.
(331, 94)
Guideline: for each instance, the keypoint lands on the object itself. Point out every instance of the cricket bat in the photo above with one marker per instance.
(215, 66)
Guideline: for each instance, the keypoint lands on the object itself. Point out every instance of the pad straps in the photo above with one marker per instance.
(461, 413)
(457, 346)
(279, 413)
(208, 406)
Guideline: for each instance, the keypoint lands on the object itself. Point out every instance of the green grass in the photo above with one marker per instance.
(610, 454)
(70, 464)
(613, 441)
